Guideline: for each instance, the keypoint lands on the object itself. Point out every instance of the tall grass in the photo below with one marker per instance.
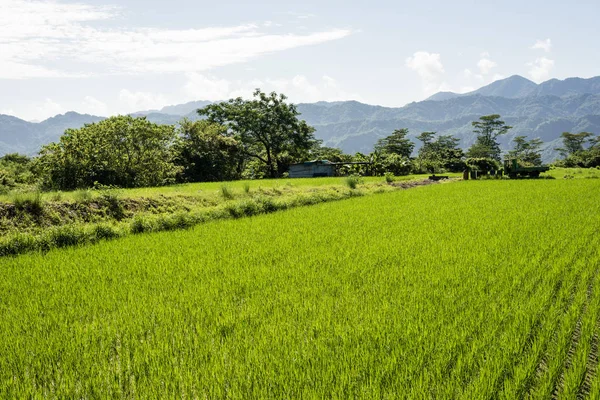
(31, 203)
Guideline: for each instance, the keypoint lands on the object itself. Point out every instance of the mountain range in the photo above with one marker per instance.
(535, 110)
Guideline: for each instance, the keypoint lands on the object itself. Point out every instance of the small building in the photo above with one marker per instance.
(312, 169)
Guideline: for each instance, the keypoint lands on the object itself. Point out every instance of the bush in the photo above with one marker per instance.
(105, 231)
(389, 177)
(31, 203)
(226, 192)
(140, 224)
(110, 198)
(353, 181)
(482, 164)
(66, 236)
(83, 195)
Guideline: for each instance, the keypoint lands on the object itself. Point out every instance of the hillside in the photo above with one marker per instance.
(545, 111)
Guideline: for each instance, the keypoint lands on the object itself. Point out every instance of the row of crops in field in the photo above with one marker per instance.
(469, 290)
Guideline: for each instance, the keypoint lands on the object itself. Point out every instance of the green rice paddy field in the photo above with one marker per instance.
(472, 290)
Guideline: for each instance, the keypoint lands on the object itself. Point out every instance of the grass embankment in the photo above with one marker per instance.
(573, 173)
(35, 221)
(472, 290)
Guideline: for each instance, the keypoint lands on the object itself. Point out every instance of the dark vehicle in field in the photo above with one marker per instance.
(514, 170)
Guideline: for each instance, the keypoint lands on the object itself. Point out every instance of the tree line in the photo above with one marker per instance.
(257, 138)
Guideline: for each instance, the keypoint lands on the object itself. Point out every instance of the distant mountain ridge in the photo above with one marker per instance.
(518, 87)
(545, 111)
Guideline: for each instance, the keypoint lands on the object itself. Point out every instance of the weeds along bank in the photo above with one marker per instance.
(32, 221)
(469, 290)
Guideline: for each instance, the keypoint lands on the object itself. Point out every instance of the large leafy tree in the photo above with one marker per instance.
(443, 152)
(573, 143)
(206, 153)
(580, 150)
(122, 151)
(267, 128)
(396, 143)
(527, 151)
(488, 129)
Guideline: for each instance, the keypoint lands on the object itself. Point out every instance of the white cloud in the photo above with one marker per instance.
(93, 106)
(539, 70)
(140, 101)
(38, 33)
(48, 108)
(7, 111)
(545, 45)
(298, 88)
(485, 65)
(429, 67)
(497, 77)
(203, 87)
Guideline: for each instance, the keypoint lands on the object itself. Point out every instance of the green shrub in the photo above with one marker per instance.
(105, 231)
(226, 192)
(83, 195)
(389, 177)
(247, 187)
(140, 224)
(110, 198)
(31, 203)
(66, 236)
(353, 181)
(56, 197)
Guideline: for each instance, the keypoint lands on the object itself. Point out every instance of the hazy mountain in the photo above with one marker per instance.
(17, 135)
(518, 87)
(543, 111)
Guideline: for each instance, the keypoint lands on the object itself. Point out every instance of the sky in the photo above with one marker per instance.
(104, 57)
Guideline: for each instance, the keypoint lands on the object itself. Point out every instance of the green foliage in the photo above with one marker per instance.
(205, 152)
(389, 177)
(267, 128)
(397, 164)
(353, 181)
(16, 170)
(226, 192)
(329, 153)
(482, 164)
(397, 143)
(527, 152)
(487, 129)
(31, 203)
(440, 155)
(576, 155)
(121, 151)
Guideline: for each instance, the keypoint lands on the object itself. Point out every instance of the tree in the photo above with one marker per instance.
(573, 143)
(443, 153)
(267, 128)
(527, 151)
(332, 154)
(16, 169)
(487, 129)
(396, 143)
(205, 153)
(575, 154)
(122, 151)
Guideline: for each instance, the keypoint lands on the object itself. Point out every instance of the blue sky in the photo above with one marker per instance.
(104, 57)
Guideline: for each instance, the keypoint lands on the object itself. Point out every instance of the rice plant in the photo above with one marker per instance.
(477, 289)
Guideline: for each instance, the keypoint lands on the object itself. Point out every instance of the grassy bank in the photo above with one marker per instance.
(31, 222)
